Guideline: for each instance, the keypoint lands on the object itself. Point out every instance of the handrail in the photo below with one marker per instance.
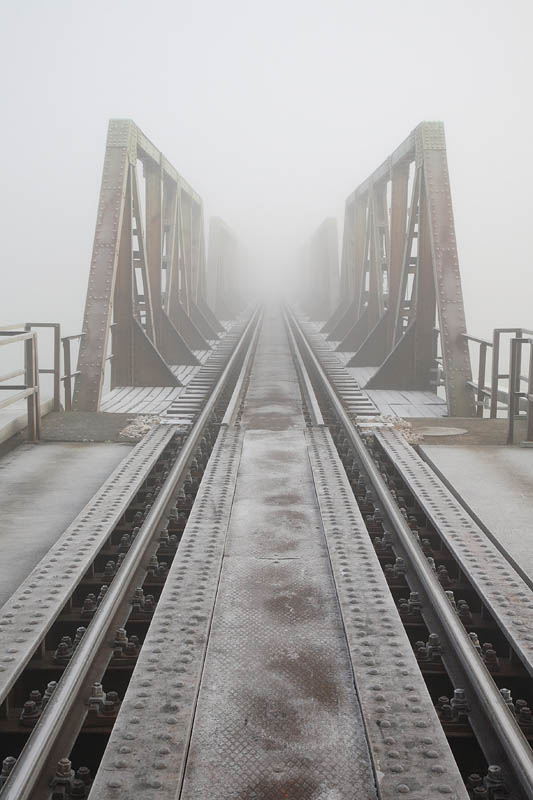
(56, 370)
(29, 390)
(482, 391)
(11, 327)
(515, 393)
(494, 392)
(477, 339)
(9, 375)
(67, 364)
(496, 375)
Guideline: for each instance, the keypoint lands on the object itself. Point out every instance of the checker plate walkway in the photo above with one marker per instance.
(278, 714)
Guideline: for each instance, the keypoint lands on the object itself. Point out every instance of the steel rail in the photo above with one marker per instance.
(512, 740)
(309, 393)
(238, 391)
(32, 760)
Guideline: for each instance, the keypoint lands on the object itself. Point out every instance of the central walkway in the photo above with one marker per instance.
(277, 715)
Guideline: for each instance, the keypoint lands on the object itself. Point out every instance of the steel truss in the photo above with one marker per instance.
(147, 281)
(400, 271)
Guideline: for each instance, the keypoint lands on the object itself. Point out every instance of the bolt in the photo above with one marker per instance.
(460, 705)
(80, 632)
(48, 693)
(64, 768)
(36, 697)
(399, 566)
(506, 694)
(433, 646)
(451, 599)
(414, 604)
(7, 766)
(84, 774)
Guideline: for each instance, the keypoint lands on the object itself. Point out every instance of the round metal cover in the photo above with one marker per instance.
(436, 431)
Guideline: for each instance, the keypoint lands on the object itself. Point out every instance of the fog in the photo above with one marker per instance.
(274, 112)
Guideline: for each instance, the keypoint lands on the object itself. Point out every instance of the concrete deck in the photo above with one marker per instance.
(43, 487)
(495, 484)
(14, 418)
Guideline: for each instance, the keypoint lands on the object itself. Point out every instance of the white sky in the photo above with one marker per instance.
(274, 112)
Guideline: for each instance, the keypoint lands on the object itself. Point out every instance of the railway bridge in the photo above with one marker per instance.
(267, 551)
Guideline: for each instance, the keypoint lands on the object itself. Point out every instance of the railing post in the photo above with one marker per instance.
(68, 374)
(512, 390)
(481, 379)
(529, 434)
(57, 367)
(31, 378)
(494, 374)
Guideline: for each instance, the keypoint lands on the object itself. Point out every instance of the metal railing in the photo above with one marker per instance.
(516, 379)
(516, 401)
(63, 376)
(480, 387)
(29, 390)
(67, 365)
(497, 393)
(56, 369)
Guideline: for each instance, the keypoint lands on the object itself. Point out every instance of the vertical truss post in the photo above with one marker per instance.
(452, 323)
(154, 242)
(355, 255)
(398, 223)
(424, 356)
(120, 152)
(122, 367)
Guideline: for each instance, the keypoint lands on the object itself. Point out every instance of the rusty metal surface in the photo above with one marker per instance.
(29, 613)
(277, 713)
(273, 398)
(121, 140)
(147, 760)
(408, 745)
(503, 591)
(455, 354)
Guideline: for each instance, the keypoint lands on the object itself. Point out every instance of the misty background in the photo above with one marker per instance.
(274, 112)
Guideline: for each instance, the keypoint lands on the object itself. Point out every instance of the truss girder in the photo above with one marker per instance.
(147, 274)
(400, 275)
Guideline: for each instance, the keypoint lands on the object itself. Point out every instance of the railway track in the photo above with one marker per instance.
(454, 589)
(80, 617)
(269, 599)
